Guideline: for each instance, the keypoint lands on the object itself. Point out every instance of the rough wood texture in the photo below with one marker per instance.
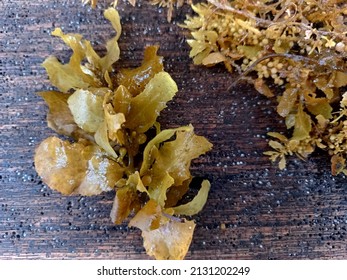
(300, 213)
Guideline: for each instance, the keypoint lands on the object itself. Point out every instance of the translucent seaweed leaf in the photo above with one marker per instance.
(125, 201)
(195, 206)
(287, 101)
(148, 218)
(114, 124)
(136, 182)
(282, 163)
(290, 120)
(74, 75)
(262, 88)
(120, 100)
(112, 47)
(102, 139)
(87, 109)
(158, 187)
(66, 77)
(71, 75)
(80, 168)
(213, 58)
(136, 79)
(276, 145)
(175, 156)
(197, 47)
(127, 198)
(320, 106)
(146, 107)
(153, 145)
(170, 241)
(198, 59)
(302, 126)
(59, 117)
(168, 165)
(116, 107)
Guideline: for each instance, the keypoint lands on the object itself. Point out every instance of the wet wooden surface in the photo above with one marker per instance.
(299, 213)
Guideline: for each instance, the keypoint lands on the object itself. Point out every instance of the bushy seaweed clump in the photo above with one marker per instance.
(294, 51)
(118, 143)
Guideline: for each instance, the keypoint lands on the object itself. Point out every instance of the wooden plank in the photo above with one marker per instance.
(254, 210)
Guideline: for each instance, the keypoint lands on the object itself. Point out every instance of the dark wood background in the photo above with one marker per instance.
(299, 213)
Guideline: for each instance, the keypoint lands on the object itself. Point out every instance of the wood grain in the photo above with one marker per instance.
(299, 213)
